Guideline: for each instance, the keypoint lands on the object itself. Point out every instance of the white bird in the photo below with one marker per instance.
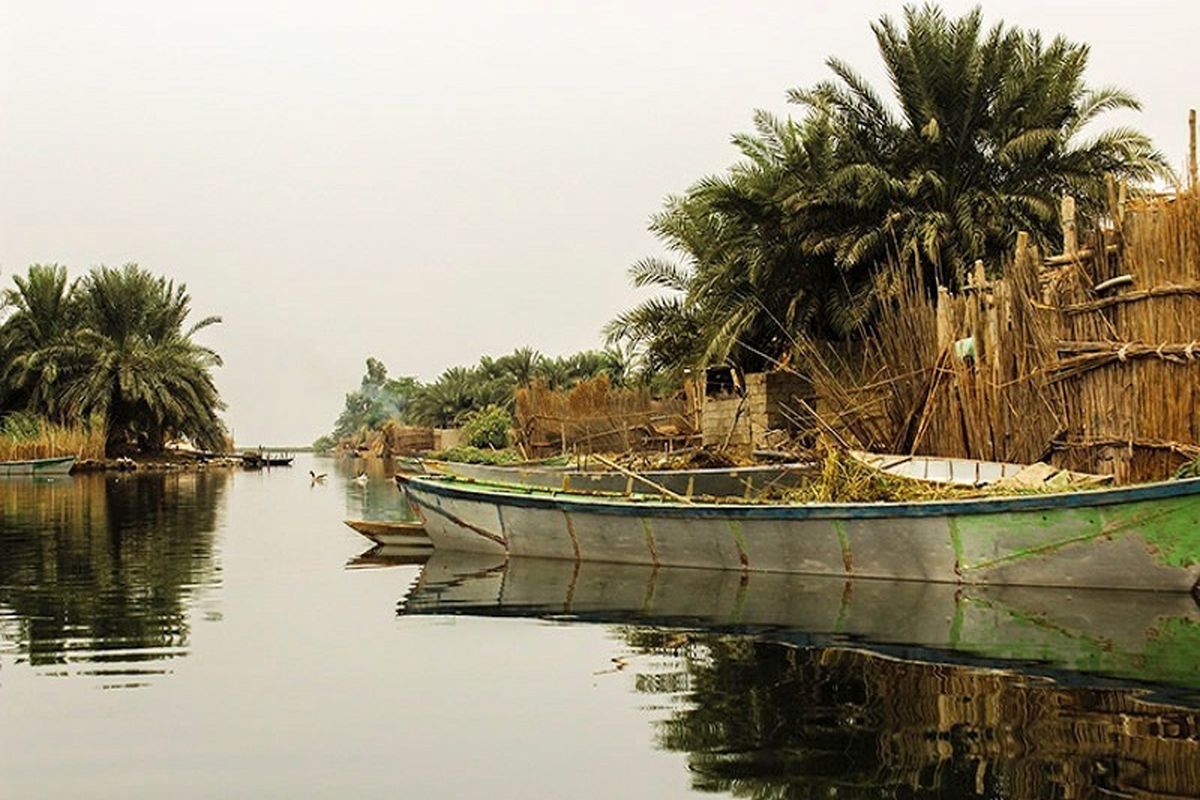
(361, 480)
(315, 478)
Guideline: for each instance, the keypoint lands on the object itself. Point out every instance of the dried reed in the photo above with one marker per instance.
(23, 438)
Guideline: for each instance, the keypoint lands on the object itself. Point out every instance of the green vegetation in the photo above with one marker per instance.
(459, 395)
(488, 427)
(26, 436)
(111, 348)
(476, 455)
(984, 132)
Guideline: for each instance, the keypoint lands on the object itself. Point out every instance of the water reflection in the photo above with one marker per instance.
(378, 498)
(96, 571)
(785, 686)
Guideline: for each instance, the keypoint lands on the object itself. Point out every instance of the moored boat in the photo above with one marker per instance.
(1139, 537)
(37, 467)
(744, 482)
(409, 534)
(972, 472)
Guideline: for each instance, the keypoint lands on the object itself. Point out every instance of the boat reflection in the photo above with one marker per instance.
(784, 686)
(390, 555)
(1144, 636)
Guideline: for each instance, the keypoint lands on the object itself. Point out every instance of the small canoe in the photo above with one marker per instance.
(935, 469)
(37, 467)
(1137, 537)
(976, 473)
(392, 533)
(744, 482)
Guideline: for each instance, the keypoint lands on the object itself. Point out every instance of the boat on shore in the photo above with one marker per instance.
(723, 482)
(1138, 537)
(37, 467)
(407, 534)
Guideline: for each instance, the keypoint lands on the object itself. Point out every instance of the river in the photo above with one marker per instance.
(223, 634)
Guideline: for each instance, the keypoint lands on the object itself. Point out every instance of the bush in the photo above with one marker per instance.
(475, 455)
(488, 428)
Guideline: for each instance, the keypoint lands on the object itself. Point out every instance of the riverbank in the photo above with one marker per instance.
(160, 462)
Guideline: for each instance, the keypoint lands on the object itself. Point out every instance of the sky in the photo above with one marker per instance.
(427, 182)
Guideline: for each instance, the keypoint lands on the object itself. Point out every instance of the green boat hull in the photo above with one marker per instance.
(1131, 538)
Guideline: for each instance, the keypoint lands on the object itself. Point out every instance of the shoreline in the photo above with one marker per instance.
(153, 463)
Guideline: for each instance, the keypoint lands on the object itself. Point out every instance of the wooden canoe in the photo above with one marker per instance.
(1139, 537)
(723, 482)
(973, 472)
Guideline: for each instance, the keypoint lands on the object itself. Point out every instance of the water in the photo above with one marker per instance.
(224, 635)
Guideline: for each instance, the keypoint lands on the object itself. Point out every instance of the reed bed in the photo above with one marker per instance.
(23, 437)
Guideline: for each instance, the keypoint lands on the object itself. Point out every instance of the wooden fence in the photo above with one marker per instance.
(595, 417)
(1090, 358)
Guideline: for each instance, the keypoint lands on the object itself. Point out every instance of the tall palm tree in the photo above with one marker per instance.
(34, 339)
(138, 366)
(987, 131)
(750, 276)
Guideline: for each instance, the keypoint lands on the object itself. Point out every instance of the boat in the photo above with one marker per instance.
(37, 467)
(252, 460)
(970, 471)
(391, 533)
(1137, 537)
(1144, 636)
(745, 482)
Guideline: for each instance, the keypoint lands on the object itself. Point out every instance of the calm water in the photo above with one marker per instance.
(224, 635)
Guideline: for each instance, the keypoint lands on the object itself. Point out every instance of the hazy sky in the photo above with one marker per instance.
(425, 182)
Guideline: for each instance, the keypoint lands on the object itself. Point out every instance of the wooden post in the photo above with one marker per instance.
(1192, 178)
(1070, 240)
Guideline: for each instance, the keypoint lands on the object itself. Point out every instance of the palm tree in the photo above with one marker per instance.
(750, 275)
(34, 339)
(137, 365)
(987, 132)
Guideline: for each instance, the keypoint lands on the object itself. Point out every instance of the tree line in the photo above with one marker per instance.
(462, 392)
(113, 349)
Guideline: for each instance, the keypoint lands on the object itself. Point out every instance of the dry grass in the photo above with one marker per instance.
(25, 438)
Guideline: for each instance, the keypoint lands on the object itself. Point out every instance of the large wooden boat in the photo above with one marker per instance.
(1139, 537)
(37, 467)
(723, 482)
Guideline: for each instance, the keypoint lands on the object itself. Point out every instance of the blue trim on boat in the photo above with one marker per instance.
(565, 501)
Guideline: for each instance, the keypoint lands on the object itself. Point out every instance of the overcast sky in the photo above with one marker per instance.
(425, 182)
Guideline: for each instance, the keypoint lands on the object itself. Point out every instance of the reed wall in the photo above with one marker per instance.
(1090, 358)
(595, 417)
